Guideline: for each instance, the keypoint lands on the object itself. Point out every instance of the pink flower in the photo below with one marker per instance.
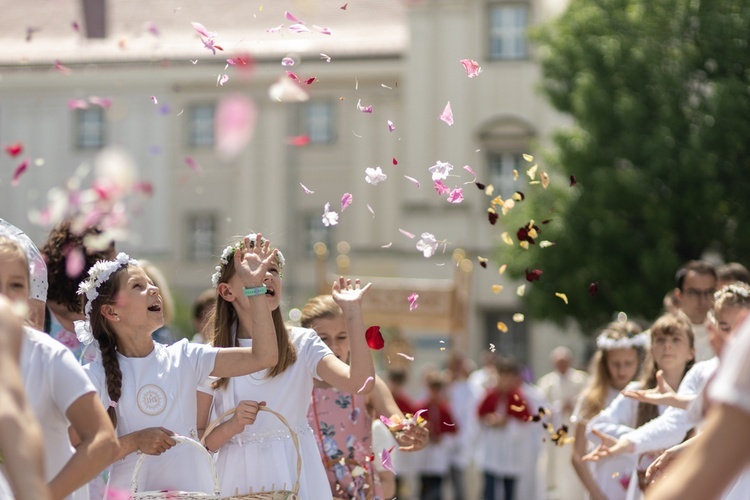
(447, 114)
(346, 200)
(456, 196)
(441, 188)
(472, 67)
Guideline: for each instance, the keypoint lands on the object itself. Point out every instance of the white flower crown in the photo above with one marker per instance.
(229, 251)
(732, 288)
(606, 343)
(98, 275)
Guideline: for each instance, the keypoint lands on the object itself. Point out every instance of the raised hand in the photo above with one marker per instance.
(348, 294)
(412, 438)
(662, 394)
(245, 414)
(154, 440)
(610, 447)
(253, 260)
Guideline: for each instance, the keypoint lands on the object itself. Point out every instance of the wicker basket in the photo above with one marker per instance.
(266, 495)
(183, 495)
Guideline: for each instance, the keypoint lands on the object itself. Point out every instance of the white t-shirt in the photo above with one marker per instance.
(53, 380)
(702, 344)
(159, 390)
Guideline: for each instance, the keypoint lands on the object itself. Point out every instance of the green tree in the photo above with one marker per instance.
(660, 96)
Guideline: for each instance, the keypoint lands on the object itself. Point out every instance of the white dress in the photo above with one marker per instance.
(159, 390)
(263, 456)
(53, 380)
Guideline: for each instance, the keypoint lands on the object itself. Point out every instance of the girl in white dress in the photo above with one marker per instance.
(262, 456)
(59, 393)
(621, 350)
(672, 355)
(150, 389)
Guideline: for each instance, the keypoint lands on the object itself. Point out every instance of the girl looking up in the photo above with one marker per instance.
(263, 456)
(149, 389)
(59, 393)
(342, 420)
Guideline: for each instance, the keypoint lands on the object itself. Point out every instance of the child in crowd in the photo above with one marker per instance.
(149, 389)
(672, 354)
(341, 422)
(59, 393)
(621, 349)
(264, 456)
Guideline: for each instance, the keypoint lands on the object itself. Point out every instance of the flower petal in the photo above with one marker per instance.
(447, 114)
(374, 338)
(346, 200)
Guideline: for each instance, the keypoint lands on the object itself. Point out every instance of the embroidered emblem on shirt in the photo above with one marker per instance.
(151, 399)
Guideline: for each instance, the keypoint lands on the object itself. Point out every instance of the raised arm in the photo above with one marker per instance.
(359, 375)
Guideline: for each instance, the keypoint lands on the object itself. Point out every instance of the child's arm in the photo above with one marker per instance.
(251, 264)
(413, 438)
(355, 377)
(581, 467)
(244, 414)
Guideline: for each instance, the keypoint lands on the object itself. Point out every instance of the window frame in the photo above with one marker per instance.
(193, 140)
(82, 127)
(524, 54)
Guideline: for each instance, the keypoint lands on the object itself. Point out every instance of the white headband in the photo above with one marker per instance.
(606, 343)
(228, 253)
(732, 288)
(98, 275)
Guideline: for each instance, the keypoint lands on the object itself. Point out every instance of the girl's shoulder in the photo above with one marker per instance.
(302, 336)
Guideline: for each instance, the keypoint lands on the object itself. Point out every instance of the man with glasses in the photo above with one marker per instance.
(696, 283)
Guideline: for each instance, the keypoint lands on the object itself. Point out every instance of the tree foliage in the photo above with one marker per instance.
(660, 96)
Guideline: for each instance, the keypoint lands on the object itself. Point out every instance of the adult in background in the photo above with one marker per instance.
(561, 387)
(202, 308)
(730, 272)
(696, 283)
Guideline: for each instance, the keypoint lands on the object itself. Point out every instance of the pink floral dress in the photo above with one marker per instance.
(343, 430)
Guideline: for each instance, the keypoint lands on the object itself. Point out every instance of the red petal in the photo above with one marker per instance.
(533, 275)
(14, 149)
(310, 80)
(573, 180)
(374, 338)
(395, 162)
(493, 217)
(593, 288)
(20, 169)
(299, 140)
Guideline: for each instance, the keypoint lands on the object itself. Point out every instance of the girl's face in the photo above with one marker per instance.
(726, 321)
(273, 284)
(332, 331)
(671, 351)
(138, 303)
(622, 366)
(14, 278)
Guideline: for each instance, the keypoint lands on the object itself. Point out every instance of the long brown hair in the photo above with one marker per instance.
(319, 307)
(107, 339)
(594, 397)
(223, 317)
(667, 324)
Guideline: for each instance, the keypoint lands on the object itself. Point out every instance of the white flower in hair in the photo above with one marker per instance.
(83, 332)
(228, 254)
(98, 275)
(606, 343)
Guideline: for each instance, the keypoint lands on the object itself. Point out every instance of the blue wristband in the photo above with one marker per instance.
(258, 290)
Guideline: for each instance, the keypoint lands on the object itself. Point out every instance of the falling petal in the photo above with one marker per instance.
(394, 161)
(528, 157)
(235, 119)
(299, 28)
(321, 29)
(77, 104)
(406, 233)
(364, 109)
(521, 290)
(275, 30)
(502, 327)
(440, 187)
(492, 215)
(544, 177)
(391, 126)
(287, 61)
(482, 261)
(545, 244)
(472, 67)
(154, 100)
(573, 180)
(501, 269)
(305, 189)
(343, 7)
(386, 462)
(201, 30)
(14, 150)
(497, 289)
(371, 210)
(456, 196)
(223, 79)
(367, 381)
(330, 218)
(532, 172)
(346, 200)
(492, 347)
(374, 338)
(447, 114)
(74, 263)
(18, 172)
(562, 296)
(413, 301)
(194, 166)
(326, 57)
(518, 318)
(524, 245)
(299, 140)
(533, 275)
(593, 288)
(291, 17)
(62, 69)
(415, 181)
(410, 358)
(515, 174)
(506, 238)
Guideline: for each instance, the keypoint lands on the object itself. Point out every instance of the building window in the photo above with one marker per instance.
(202, 125)
(201, 236)
(90, 128)
(318, 119)
(501, 167)
(514, 342)
(508, 24)
(316, 232)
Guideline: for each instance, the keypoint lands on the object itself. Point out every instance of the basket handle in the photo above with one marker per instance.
(179, 439)
(283, 420)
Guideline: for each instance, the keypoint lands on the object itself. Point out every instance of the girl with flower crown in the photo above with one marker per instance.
(673, 354)
(149, 389)
(620, 352)
(342, 420)
(59, 393)
(263, 456)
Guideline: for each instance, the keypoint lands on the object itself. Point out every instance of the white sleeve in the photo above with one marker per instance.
(202, 358)
(616, 419)
(68, 381)
(311, 351)
(732, 383)
(95, 373)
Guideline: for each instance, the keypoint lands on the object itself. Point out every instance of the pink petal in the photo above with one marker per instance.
(195, 167)
(369, 379)
(62, 69)
(419, 412)
(447, 114)
(415, 181)
(391, 126)
(387, 421)
(236, 117)
(306, 190)
(292, 76)
(364, 109)
(468, 169)
(456, 196)
(77, 104)
(472, 67)
(440, 187)
(394, 161)
(299, 140)
(18, 172)
(76, 27)
(346, 200)
(287, 61)
(275, 30)
(104, 102)
(291, 17)
(201, 29)
(231, 62)
(385, 460)
(299, 28)
(406, 233)
(74, 263)
(310, 80)
(325, 31)
(413, 301)
(154, 100)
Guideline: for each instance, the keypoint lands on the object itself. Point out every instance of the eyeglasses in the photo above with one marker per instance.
(698, 294)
